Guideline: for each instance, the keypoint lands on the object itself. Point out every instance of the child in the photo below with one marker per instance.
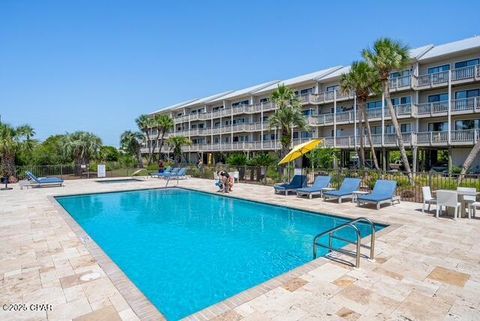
(219, 182)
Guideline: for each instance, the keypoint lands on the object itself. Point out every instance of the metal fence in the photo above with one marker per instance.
(406, 190)
(70, 171)
(270, 175)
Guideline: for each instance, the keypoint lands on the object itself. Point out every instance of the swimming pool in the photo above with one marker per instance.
(186, 250)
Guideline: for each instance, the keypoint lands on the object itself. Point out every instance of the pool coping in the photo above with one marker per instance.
(145, 309)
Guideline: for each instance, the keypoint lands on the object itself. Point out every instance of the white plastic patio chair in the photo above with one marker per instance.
(427, 198)
(473, 207)
(470, 199)
(447, 199)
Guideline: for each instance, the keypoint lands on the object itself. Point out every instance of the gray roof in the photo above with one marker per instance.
(452, 47)
(174, 106)
(337, 73)
(303, 78)
(205, 100)
(246, 91)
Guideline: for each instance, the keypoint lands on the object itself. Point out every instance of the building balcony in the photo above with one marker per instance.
(466, 137)
(440, 108)
(401, 83)
(465, 74)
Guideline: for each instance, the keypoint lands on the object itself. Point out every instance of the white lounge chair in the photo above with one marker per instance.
(427, 198)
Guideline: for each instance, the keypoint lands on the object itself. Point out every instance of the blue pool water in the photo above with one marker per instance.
(187, 250)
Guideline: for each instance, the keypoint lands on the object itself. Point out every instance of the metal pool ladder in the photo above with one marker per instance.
(357, 242)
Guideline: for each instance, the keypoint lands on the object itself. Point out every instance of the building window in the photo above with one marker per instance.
(217, 108)
(438, 127)
(306, 91)
(467, 124)
(307, 112)
(402, 100)
(437, 98)
(241, 103)
(467, 93)
(406, 128)
(264, 100)
(467, 63)
(333, 88)
(374, 104)
(398, 74)
(437, 69)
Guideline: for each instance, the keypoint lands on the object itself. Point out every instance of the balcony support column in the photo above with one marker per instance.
(384, 159)
(334, 118)
(415, 158)
(383, 120)
(449, 110)
(450, 161)
(261, 126)
(231, 127)
(355, 123)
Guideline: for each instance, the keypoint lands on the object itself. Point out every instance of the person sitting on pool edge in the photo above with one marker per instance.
(219, 182)
(227, 181)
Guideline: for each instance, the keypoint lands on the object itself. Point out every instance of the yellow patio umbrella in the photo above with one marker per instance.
(300, 150)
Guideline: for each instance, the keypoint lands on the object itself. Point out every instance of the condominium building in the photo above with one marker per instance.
(436, 99)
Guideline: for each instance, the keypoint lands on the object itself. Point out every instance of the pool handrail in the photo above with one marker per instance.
(358, 244)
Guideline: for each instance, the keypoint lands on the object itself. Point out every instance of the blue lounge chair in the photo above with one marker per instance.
(298, 181)
(383, 192)
(166, 174)
(43, 181)
(349, 185)
(180, 174)
(316, 189)
(157, 174)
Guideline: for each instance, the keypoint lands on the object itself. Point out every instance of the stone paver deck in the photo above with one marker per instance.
(425, 268)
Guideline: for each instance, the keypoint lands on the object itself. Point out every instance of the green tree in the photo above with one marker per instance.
(82, 147)
(176, 143)
(108, 154)
(362, 80)
(388, 55)
(145, 124)
(11, 140)
(50, 152)
(131, 143)
(163, 123)
(287, 116)
(323, 157)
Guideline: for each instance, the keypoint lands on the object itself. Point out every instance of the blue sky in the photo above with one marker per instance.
(96, 65)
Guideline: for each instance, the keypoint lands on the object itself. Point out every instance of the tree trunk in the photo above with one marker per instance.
(160, 145)
(370, 140)
(149, 146)
(8, 165)
(361, 155)
(469, 160)
(398, 133)
(139, 158)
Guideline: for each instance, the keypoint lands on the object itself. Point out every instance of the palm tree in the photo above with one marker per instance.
(27, 132)
(287, 116)
(164, 124)
(131, 143)
(82, 146)
(362, 80)
(176, 143)
(388, 55)
(10, 142)
(469, 160)
(145, 124)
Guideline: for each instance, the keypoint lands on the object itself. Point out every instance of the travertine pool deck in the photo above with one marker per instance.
(425, 268)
